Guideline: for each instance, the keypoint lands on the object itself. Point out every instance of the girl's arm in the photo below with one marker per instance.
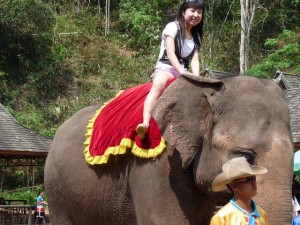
(170, 47)
(195, 65)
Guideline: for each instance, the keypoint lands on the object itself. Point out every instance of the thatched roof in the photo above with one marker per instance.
(290, 83)
(216, 74)
(15, 139)
(287, 80)
(292, 97)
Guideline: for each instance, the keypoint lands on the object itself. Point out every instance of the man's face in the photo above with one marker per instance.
(245, 187)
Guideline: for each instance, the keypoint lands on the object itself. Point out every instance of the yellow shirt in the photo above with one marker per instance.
(231, 215)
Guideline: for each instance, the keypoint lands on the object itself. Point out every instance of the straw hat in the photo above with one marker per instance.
(234, 169)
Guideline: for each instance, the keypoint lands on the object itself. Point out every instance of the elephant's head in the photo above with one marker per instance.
(209, 122)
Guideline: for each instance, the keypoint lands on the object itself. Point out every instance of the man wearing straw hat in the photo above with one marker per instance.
(239, 176)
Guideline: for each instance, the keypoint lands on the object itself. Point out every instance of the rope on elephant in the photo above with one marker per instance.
(112, 128)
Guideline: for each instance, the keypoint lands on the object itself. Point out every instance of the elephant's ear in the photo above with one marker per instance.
(184, 114)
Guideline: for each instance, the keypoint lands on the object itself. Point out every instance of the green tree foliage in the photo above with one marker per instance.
(23, 43)
(55, 59)
(31, 62)
(29, 55)
(30, 195)
(221, 35)
(284, 54)
(13, 177)
(281, 14)
(142, 21)
(222, 30)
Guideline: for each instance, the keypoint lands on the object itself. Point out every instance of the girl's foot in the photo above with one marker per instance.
(142, 130)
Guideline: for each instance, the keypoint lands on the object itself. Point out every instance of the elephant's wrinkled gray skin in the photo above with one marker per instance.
(205, 123)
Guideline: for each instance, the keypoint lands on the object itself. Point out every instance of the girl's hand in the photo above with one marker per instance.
(188, 73)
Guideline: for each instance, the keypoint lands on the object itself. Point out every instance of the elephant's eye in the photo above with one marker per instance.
(249, 154)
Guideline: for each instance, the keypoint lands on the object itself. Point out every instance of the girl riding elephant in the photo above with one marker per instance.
(180, 47)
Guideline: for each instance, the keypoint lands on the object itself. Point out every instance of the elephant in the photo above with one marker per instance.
(205, 122)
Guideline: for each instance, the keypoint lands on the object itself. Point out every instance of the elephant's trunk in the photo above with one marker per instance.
(274, 188)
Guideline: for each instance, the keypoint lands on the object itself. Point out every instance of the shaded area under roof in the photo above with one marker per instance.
(17, 140)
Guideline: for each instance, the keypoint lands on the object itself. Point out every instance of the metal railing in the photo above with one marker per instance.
(15, 214)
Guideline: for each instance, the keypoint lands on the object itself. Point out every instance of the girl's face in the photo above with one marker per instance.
(192, 16)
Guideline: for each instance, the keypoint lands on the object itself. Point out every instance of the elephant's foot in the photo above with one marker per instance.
(142, 130)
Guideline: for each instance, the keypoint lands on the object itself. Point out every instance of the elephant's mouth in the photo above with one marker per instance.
(203, 186)
(188, 172)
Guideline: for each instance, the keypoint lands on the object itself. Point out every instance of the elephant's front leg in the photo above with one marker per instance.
(162, 193)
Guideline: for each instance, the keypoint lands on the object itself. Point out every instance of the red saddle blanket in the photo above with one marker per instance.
(112, 128)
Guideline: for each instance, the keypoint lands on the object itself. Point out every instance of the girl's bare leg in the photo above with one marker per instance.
(159, 83)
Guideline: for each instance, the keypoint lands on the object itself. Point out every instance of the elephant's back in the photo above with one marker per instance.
(76, 124)
(70, 136)
(65, 162)
(71, 182)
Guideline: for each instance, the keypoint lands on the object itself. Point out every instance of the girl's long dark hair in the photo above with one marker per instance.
(197, 31)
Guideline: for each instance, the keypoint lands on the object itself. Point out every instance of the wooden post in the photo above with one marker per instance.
(29, 216)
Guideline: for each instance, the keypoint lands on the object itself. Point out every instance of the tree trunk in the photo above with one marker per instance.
(99, 7)
(33, 176)
(107, 16)
(248, 8)
(2, 179)
(28, 176)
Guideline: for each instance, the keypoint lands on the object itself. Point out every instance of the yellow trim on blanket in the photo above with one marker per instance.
(121, 149)
(148, 153)
(104, 158)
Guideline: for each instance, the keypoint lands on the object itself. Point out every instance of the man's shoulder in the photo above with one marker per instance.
(296, 219)
(260, 210)
(226, 214)
(263, 219)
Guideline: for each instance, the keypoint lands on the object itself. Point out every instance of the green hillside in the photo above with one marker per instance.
(56, 59)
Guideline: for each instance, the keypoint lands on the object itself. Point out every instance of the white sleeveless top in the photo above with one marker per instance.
(186, 50)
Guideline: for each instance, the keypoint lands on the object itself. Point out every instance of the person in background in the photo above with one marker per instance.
(296, 220)
(180, 47)
(2, 201)
(40, 208)
(239, 177)
(296, 206)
